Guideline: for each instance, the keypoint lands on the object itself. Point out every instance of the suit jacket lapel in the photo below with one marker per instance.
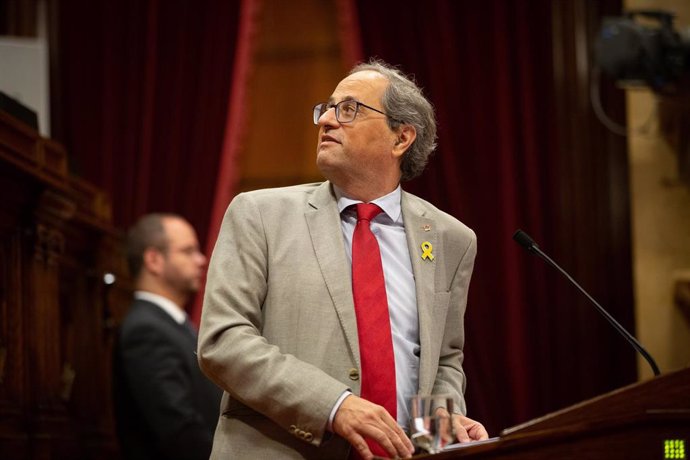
(323, 221)
(420, 229)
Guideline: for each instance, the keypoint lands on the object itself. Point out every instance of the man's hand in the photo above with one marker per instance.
(466, 429)
(358, 419)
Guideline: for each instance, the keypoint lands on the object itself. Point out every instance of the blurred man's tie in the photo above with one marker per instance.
(190, 328)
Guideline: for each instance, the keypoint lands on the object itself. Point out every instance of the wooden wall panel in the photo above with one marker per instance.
(56, 331)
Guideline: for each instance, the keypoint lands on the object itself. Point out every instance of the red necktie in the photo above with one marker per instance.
(373, 322)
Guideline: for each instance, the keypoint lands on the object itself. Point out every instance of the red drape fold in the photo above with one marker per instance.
(348, 32)
(234, 130)
(141, 100)
(151, 103)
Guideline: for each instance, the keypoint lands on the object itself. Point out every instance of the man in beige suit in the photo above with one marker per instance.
(279, 330)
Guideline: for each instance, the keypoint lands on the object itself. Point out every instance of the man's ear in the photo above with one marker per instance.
(406, 135)
(154, 261)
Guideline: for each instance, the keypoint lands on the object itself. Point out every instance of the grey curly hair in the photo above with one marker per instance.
(404, 103)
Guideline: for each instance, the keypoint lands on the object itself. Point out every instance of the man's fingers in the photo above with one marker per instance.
(381, 434)
(357, 419)
(395, 440)
(467, 429)
(477, 432)
(360, 445)
(386, 432)
(460, 431)
(398, 434)
(350, 433)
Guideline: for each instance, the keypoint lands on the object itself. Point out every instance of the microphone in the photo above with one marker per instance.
(528, 243)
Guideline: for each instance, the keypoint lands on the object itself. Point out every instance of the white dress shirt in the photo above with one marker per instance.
(389, 230)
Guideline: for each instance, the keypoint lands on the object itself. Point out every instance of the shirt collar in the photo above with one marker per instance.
(390, 204)
(166, 304)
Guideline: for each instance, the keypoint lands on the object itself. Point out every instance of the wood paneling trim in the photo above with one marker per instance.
(56, 328)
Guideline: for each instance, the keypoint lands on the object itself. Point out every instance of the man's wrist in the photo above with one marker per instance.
(336, 406)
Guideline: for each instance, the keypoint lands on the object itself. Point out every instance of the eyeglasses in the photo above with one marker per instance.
(345, 111)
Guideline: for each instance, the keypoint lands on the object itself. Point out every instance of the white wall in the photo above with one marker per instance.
(660, 221)
(24, 71)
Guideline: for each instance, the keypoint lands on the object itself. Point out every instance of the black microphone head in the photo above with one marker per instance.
(524, 240)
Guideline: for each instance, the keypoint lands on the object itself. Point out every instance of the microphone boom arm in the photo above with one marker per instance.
(525, 241)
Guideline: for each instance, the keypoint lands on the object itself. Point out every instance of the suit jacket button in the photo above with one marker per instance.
(293, 429)
(308, 437)
(354, 374)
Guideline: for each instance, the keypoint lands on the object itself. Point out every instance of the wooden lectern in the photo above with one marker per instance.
(646, 420)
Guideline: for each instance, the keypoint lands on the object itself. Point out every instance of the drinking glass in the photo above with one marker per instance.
(430, 430)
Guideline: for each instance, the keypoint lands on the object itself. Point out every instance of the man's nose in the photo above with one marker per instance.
(328, 118)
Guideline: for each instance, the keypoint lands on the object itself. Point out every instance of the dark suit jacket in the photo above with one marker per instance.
(165, 408)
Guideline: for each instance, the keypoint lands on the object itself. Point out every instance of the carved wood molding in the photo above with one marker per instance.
(49, 245)
(52, 212)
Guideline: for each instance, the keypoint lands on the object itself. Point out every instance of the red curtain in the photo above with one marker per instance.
(141, 91)
(226, 177)
(533, 346)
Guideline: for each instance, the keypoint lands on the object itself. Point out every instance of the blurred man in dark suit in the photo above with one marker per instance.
(165, 407)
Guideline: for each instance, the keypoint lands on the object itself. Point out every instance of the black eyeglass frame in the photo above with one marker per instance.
(318, 112)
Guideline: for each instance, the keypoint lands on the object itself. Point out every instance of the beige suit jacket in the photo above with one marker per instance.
(278, 329)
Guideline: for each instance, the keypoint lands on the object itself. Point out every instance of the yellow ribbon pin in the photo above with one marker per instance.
(426, 251)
